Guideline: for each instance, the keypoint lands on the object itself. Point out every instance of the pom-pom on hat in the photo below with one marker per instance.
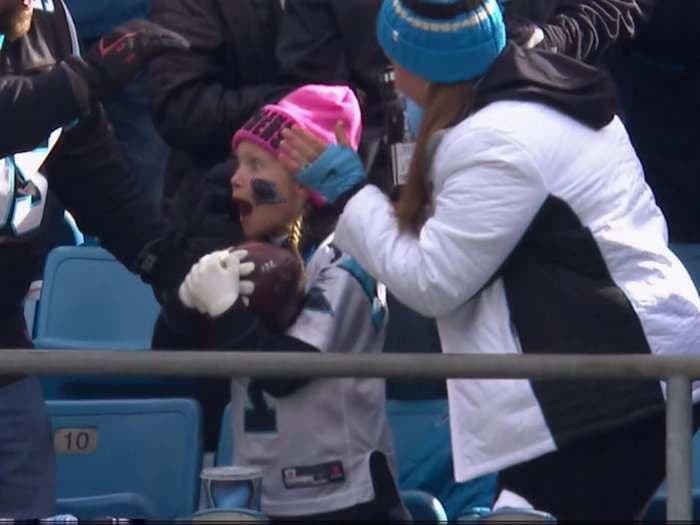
(443, 41)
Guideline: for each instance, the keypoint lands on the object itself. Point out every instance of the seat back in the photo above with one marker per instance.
(412, 424)
(90, 300)
(148, 448)
(408, 332)
(657, 508)
(424, 456)
(224, 451)
(689, 254)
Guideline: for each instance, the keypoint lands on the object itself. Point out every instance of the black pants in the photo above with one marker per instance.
(611, 476)
(27, 461)
(385, 507)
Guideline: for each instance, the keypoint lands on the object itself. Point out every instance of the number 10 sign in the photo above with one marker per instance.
(75, 440)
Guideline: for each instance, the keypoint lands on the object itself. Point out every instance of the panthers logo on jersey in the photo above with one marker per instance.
(24, 190)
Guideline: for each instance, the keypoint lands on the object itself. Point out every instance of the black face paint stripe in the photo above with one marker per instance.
(265, 192)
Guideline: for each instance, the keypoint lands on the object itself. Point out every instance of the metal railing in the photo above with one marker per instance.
(677, 371)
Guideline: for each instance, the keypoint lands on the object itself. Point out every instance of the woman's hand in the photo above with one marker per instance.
(328, 170)
(214, 284)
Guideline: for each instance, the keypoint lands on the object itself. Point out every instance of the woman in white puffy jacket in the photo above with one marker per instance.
(525, 227)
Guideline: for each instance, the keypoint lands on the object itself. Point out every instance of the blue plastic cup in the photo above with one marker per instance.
(233, 487)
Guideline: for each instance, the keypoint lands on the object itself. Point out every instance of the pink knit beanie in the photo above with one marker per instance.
(316, 108)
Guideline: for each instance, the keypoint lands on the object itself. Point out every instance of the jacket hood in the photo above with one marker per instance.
(582, 92)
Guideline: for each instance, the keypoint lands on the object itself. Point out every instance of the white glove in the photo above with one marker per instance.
(214, 284)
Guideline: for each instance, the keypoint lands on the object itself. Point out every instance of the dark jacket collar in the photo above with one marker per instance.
(582, 92)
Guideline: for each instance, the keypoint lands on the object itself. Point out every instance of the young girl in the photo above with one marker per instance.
(324, 445)
(525, 227)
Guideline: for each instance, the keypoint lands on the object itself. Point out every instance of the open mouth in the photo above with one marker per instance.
(245, 208)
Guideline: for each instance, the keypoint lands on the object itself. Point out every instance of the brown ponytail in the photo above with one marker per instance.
(447, 105)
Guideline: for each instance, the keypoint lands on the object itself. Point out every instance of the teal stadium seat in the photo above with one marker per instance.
(657, 509)
(409, 332)
(68, 234)
(224, 451)
(689, 254)
(424, 456)
(90, 301)
(137, 459)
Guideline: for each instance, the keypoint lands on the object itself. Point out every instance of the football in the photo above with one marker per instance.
(278, 279)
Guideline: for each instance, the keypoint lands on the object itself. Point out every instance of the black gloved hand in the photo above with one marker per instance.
(519, 29)
(164, 263)
(120, 55)
(522, 31)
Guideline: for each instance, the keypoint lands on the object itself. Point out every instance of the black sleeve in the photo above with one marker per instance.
(587, 29)
(87, 174)
(194, 109)
(279, 342)
(240, 330)
(180, 328)
(32, 107)
(310, 45)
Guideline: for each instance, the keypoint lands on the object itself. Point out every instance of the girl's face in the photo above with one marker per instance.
(411, 85)
(268, 197)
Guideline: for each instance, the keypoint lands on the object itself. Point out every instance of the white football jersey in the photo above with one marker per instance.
(314, 446)
(24, 190)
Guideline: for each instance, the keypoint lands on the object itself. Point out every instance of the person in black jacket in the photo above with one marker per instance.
(56, 151)
(582, 29)
(202, 97)
(657, 71)
(658, 78)
(334, 42)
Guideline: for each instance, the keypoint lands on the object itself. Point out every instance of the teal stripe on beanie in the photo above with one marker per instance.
(439, 50)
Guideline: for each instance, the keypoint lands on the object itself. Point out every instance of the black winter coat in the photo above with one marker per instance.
(657, 72)
(203, 97)
(334, 42)
(39, 94)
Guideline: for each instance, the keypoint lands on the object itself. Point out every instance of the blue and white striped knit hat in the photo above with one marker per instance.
(442, 40)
